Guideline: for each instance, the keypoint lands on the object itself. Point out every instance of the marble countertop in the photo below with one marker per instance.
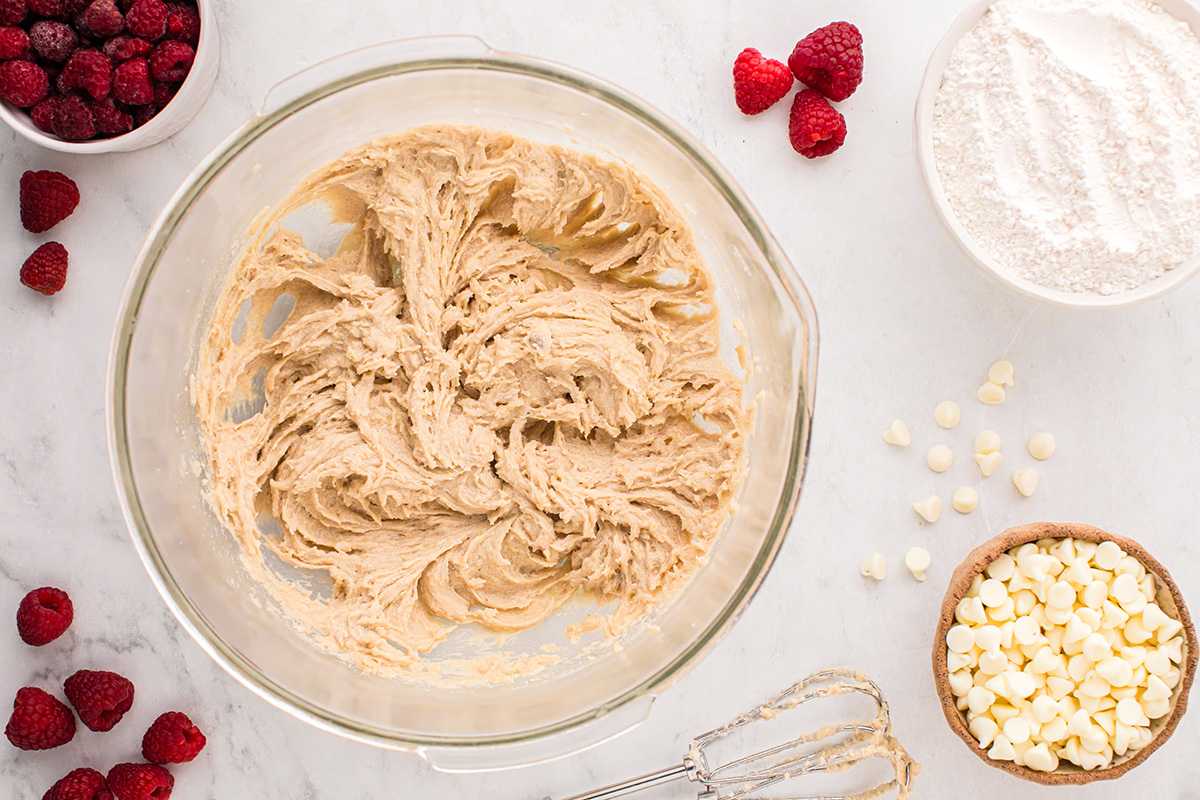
(905, 320)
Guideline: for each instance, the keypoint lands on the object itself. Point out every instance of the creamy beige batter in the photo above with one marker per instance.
(503, 390)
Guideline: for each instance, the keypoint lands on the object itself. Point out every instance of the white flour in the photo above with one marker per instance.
(1067, 137)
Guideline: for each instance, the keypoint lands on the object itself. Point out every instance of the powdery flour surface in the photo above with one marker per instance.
(1067, 138)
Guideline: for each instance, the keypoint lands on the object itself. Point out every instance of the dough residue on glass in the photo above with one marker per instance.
(504, 389)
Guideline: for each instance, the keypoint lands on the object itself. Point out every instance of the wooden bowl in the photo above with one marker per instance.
(1169, 599)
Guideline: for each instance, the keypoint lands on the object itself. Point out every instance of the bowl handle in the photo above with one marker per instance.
(547, 748)
(385, 54)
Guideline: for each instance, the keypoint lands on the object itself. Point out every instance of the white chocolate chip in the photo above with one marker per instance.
(1108, 555)
(991, 394)
(897, 434)
(947, 414)
(929, 509)
(987, 441)
(960, 638)
(1002, 567)
(918, 560)
(1060, 595)
(965, 499)
(993, 593)
(1041, 446)
(1025, 480)
(987, 462)
(1130, 712)
(1041, 759)
(1001, 373)
(1016, 730)
(984, 729)
(1002, 750)
(875, 567)
(939, 458)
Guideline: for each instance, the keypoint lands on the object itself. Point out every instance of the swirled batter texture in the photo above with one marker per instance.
(505, 388)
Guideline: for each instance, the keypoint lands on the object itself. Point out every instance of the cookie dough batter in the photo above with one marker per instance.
(504, 389)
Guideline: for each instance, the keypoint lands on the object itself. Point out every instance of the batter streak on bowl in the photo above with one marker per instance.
(505, 388)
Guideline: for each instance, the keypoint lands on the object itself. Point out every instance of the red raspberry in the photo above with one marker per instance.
(89, 70)
(80, 784)
(110, 120)
(171, 61)
(759, 83)
(53, 41)
(46, 271)
(14, 42)
(147, 19)
(45, 614)
(39, 721)
(23, 83)
(12, 12)
(56, 9)
(183, 23)
(830, 60)
(102, 18)
(143, 114)
(43, 114)
(172, 739)
(100, 698)
(125, 47)
(73, 120)
(140, 782)
(815, 127)
(164, 93)
(131, 82)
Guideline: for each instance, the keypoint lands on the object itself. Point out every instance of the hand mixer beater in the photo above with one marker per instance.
(831, 748)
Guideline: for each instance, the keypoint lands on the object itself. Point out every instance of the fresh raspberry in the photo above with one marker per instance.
(171, 61)
(172, 739)
(55, 9)
(89, 70)
(39, 721)
(131, 82)
(815, 127)
(45, 614)
(830, 60)
(43, 114)
(23, 83)
(53, 41)
(46, 271)
(100, 698)
(183, 23)
(125, 47)
(140, 782)
(164, 93)
(14, 42)
(759, 83)
(110, 120)
(102, 18)
(147, 19)
(80, 784)
(12, 12)
(73, 120)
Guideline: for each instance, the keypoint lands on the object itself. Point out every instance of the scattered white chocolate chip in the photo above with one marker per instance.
(939, 458)
(987, 441)
(897, 434)
(1025, 480)
(988, 462)
(965, 499)
(947, 414)
(1041, 446)
(991, 394)
(1001, 373)
(929, 509)
(917, 560)
(875, 567)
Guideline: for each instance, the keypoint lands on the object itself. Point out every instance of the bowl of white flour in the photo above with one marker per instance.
(1060, 142)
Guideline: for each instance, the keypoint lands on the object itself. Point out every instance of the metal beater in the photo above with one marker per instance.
(838, 747)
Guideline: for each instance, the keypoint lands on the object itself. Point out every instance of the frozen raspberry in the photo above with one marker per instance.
(171, 61)
(73, 120)
(89, 70)
(125, 47)
(23, 83)
(80, 784)
(815, 127)
(12, 12)
(102, 18)
(131, 82)
(14, 42)
(143, 114)
(164, 93)
(172, 739)
(43, 114)
(140, 782)
(759, 83)
(53, 41)
(55, 9)
(45, 614)
(39, 721)
(830, 60)
(147, 19)
(183, 23)
(100, 698)
(46, 271)
(110, 120)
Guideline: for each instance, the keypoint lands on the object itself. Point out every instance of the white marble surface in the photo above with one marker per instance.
(905, 323)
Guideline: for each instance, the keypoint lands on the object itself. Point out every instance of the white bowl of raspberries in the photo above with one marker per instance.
(99, 76)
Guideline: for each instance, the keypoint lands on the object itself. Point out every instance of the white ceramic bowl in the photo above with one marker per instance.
(967, 20)
(172, 119)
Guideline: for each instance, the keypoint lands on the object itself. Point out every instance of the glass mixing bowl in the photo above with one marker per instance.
(159, 463)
